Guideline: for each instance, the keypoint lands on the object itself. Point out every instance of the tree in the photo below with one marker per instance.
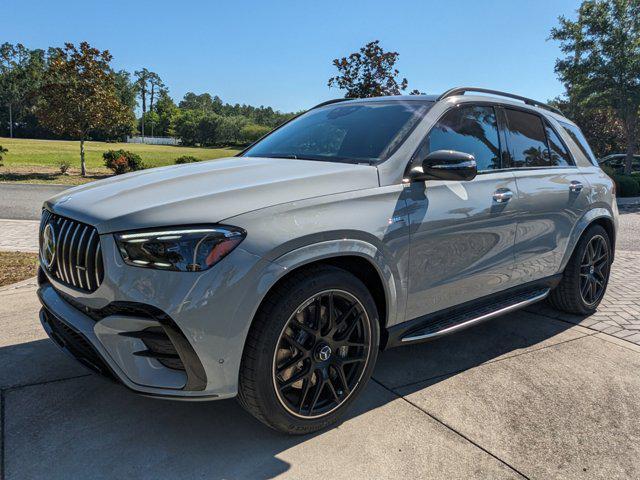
(203, 102)
(148, 83)
(601, 67)
(186, 126)
(142, 78)
(230, 128)
(166, 110)
(600, 125)
(370, 72)
(157, 86)
(21, 71)
(79, 94)
(127, 92)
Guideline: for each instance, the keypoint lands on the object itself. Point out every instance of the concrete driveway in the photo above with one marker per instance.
(525, 395)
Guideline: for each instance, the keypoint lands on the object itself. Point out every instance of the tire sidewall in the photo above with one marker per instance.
(279, 315)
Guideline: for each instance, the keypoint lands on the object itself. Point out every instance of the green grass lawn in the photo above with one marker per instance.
(36, 161)
(25, 152)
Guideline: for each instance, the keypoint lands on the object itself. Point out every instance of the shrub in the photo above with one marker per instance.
(2, 152)
(186, 159)
(64, 166)
(627, 186)
(609, 171)
(122, 161)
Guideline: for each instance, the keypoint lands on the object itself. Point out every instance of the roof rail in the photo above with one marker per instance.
(462, 90)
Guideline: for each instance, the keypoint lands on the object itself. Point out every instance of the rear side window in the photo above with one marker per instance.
(471, 129)
(527, 139)
(577, 136)
(558, 153)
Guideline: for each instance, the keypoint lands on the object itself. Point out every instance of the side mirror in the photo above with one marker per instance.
(448, 165)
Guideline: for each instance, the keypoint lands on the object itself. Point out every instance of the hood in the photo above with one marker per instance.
(205, 192)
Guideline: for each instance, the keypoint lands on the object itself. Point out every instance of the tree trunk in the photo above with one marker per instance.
(143, 93)
(83, 169)
(631, 131)
(10, 121)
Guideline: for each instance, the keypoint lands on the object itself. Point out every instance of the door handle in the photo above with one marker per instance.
(502, 195)
(575, 186)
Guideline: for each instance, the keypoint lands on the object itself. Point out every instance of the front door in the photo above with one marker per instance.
(462, 233)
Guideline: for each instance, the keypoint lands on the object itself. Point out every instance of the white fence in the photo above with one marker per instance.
(154, 140)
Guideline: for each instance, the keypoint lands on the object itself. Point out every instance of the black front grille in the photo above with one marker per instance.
(78, 258)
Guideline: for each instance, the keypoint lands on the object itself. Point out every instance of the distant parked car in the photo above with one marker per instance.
(363, 224)
(616, 162)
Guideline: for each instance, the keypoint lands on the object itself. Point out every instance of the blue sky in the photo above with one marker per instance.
(279, 53)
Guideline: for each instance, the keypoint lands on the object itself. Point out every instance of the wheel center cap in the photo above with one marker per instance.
(592, 269)
(323, 353)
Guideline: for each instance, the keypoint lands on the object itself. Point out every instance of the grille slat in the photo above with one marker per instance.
(70, 256)
(78, 264)
(61, 271)
(78, 261)
(90, 286)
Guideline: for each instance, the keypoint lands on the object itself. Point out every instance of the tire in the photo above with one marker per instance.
(569, 296)
(286, 328)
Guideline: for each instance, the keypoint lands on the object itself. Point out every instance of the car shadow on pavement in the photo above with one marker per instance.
(85, 426)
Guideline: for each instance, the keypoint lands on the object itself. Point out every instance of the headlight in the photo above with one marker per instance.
(185, 249)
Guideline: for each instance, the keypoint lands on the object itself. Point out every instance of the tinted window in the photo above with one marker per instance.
(352, 132)
(576, 135)
(559, 156)
(471, 130)
(527, 139)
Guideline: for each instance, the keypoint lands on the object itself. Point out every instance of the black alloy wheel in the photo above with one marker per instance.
(594, 270)
(321, 354)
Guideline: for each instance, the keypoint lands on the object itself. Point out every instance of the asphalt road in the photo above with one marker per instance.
(24, 201)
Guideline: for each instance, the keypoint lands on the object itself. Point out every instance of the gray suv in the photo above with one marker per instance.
(278, 275)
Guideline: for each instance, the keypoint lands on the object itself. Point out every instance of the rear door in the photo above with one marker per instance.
(462, 233)
(552, 193)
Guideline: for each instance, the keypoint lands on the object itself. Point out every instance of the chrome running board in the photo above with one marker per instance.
(464, 320)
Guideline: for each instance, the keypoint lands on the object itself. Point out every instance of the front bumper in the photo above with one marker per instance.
(209, 311)
(107, 347)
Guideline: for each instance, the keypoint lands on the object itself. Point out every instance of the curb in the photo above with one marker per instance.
(33, 281)
(39, 184)
(22, 220)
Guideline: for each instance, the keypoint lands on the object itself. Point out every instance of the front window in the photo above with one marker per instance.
(367, 132)
(468, 129)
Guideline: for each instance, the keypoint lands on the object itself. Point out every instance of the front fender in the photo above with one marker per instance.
(349, 247)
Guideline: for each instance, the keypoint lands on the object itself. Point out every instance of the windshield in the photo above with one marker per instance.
(367, 132)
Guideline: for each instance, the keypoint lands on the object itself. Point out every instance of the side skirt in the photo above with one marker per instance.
(451, 320)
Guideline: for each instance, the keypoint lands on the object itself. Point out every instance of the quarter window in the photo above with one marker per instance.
(558, 154)
(527, 140)
(471, 129)
(577, 136)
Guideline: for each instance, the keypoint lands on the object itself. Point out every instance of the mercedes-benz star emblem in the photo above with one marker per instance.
(324, 353)
(48, 248)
